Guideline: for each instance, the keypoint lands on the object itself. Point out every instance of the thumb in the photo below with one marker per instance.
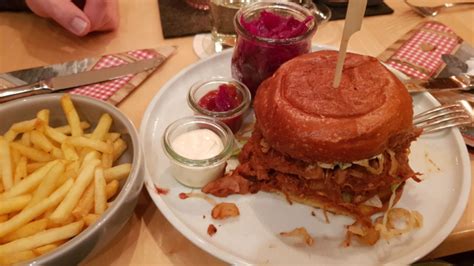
(64, 12)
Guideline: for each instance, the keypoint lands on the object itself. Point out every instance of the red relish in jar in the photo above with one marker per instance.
(224, 99)
(269, 34)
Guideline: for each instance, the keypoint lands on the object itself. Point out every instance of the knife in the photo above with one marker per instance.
(78, 79)
(462, 82)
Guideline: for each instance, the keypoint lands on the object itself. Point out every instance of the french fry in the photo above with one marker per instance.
(54, 134)
(43, 115)
(14, 204)
(29, 182)
(31, 153)
(100, 196)
(28, 215)
(20, 127)
(71, 172)
(119, 147)
(10, 135)
(99, 134)
(42, 238)
(102, 127)
(15, 155)
(117, 172)
(90, 218)
(88, 157)
(12, 258)
(3, 218)
(46, 214)
(6, 164)
(111, 188)
(57, 153)
(47, 185)
(26, 230)
(40, 125)
(20, 170)
(64, 210)
(107, 158)
(25, 139)
(53, 224)
(31, 167)
(67, 129)
(86, 203)
(45, 249)
(73, 165)
(69, 152)
(84, 142)
(24, 126)
(40, 140)
(107, 161)
(112, 136)
(71, 115)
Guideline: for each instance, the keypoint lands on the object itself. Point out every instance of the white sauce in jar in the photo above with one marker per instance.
(199, 144)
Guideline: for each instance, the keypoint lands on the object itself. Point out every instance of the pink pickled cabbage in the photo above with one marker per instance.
(254, 60)
(274, 26)
(223, 99)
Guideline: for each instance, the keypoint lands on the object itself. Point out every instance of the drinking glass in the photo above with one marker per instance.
(222, 21)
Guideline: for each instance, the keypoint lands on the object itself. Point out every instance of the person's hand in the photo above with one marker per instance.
(98, 15)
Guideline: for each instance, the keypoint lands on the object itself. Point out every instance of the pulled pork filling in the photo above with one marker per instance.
(339, 188)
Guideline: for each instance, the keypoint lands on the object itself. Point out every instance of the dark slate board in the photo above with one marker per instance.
(178, 19)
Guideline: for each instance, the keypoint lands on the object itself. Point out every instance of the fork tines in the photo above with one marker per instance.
(445, 116)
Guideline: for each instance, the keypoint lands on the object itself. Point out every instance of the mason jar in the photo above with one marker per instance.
(201, 169)
(256, 58)
(234, 116)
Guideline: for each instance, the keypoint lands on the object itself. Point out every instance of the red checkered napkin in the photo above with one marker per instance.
(115, 90)
(418, 53)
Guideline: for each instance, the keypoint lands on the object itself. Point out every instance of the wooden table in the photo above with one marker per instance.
(28, 41)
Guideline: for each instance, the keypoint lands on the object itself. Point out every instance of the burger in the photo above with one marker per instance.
(344, 149)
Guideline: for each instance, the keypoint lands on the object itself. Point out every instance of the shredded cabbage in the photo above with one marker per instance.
(394, 163)
(374, 202)
(386, 225)
(365, 163)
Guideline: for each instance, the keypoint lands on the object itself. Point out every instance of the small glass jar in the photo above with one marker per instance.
(197, 173)
(257, 58)
(234, 117)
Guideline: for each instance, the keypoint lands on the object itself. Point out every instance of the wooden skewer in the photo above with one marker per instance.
(354, 15)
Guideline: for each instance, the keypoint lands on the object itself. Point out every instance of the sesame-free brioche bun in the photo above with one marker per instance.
(300, 114)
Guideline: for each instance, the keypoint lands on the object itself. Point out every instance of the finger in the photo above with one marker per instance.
(64, 12)
(103, 14)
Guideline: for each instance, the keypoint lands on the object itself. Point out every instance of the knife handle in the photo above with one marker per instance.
(23, 91)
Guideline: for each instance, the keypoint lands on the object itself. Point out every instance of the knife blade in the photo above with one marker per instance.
(78, 79)
(453, 83)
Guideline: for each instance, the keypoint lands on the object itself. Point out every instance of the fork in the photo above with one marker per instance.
(432, 11)
(445, 116)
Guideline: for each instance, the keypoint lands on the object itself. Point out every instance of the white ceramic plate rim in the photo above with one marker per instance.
(412, 256)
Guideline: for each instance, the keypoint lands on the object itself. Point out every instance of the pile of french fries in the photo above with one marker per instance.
(55, 181)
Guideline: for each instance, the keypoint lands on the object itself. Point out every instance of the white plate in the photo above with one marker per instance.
(253, 237)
